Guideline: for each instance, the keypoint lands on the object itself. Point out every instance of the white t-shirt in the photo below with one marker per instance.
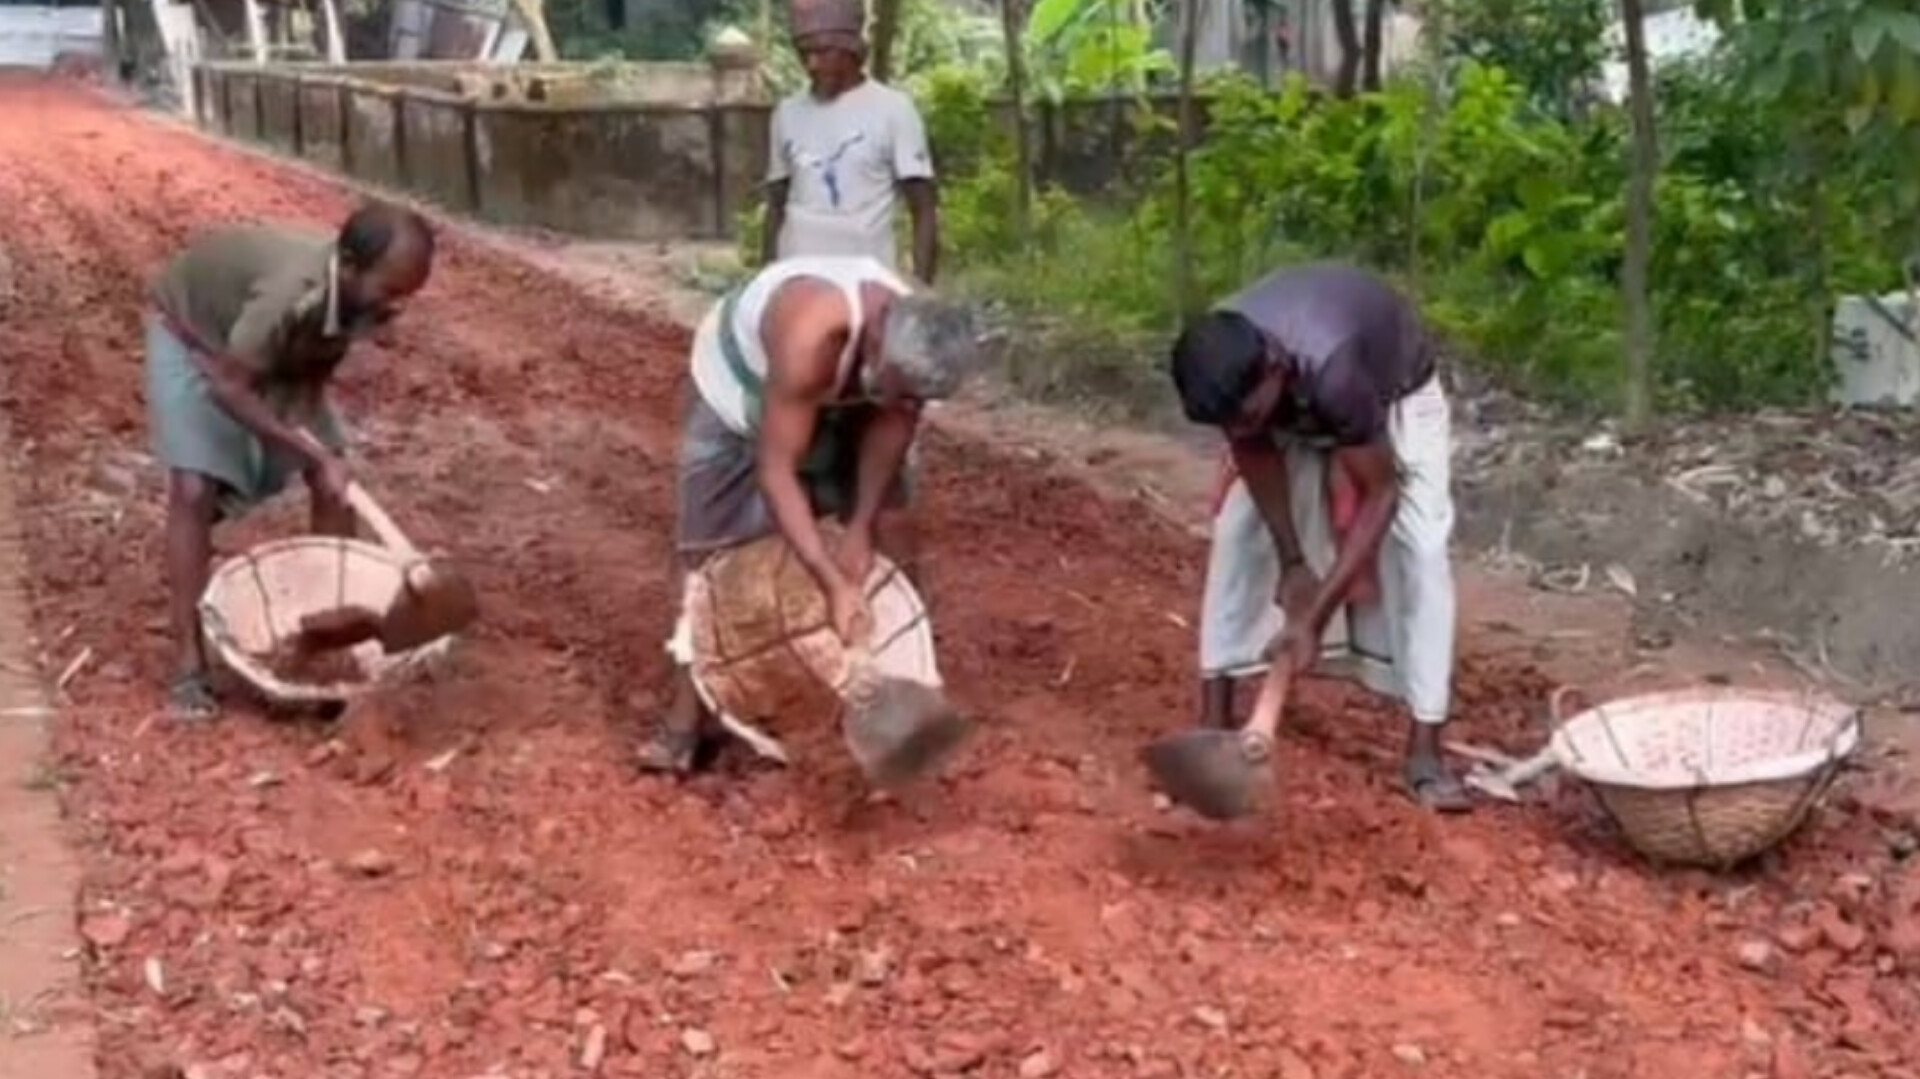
(842, 160)
(716, 379)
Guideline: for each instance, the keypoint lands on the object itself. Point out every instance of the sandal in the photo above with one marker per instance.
(1432, 787)
(190, 698)
(668, 751)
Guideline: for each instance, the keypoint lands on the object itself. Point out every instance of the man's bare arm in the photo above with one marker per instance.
(1263, 467)
(923, 204)
(776, 220)
(883, 452)
(258, 338)
(804, 331)
(1372, 465)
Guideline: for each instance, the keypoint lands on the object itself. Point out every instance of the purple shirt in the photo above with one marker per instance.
(1352, 346)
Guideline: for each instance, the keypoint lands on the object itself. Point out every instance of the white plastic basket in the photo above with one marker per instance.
(760, 636)
(255, 600)
(1709, 776)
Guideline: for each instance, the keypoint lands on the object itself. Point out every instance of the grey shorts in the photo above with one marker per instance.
(718, 498)
(192, 433)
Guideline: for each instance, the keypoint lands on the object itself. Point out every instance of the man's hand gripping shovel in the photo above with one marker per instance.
(1221, 774)
(433, 601)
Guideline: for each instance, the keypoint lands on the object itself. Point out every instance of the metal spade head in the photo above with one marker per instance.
(903, 730)
(434, 602)
(1216, 773)
(1492, 782)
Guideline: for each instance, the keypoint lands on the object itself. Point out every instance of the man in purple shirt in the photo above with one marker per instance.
(1312, 368)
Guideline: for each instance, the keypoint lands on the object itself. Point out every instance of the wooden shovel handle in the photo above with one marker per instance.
(861, 677)
(382, 525)
(1557, 704)
(1272, 700)
(366, 508)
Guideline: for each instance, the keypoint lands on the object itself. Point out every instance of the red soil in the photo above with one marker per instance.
(511, 896)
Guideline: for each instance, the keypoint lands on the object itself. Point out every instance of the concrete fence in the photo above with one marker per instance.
(636, 168)
(33, 35)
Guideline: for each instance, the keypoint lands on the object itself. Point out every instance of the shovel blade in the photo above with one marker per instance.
(904, 731)
(429, 607)
(1493, 785)
(1208, 771)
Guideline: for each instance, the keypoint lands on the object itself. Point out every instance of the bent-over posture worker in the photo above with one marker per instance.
(807, 389)
(1310, 369)
(247, 328)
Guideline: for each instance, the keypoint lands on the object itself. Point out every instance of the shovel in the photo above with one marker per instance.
(897, 729)
(432, 601)
(1500, 776)
(1221, 774)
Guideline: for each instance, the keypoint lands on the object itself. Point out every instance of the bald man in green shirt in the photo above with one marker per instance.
(248, 325)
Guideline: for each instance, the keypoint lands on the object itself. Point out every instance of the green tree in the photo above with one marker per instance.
(1554, 48)
(1844, 77)
(1092, 46)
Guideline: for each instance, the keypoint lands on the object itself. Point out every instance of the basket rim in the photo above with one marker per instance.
(884, 575)
(1841, 742)
(268, 548)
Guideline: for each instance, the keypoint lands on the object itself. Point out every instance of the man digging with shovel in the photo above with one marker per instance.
(248, 325)
(1323, 380)
(807, 388)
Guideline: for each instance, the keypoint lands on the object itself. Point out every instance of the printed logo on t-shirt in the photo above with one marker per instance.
(827, 167)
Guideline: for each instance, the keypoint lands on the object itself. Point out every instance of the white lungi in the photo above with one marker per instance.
(1403, 643)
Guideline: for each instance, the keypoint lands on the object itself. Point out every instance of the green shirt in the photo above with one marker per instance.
(265, 295)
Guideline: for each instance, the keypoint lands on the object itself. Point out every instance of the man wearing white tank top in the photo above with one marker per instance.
(845, 151)
(808, 383)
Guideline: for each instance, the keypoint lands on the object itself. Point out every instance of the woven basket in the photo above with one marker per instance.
(255, 601)
(764, 647)
(1708, 777)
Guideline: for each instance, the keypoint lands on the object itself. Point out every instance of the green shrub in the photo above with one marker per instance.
(1507, 220)
(1505, 217)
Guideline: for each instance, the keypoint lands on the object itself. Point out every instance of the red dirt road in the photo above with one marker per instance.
(528, 900)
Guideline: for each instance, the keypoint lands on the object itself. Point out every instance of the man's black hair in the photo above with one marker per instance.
(372, 229)
(1217, 361)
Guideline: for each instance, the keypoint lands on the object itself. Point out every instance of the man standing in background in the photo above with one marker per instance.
(844, 150)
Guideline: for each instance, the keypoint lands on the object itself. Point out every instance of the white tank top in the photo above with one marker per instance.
(720, 386)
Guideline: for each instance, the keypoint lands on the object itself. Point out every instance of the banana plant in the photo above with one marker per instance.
(1093, 46)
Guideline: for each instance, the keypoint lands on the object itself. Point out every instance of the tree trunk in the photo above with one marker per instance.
(110, 43)
(1634, 273)
(886, 29)
(1348, 73)
(1372, 44)
(533, 13)
(1185, 283)
(256, 33)
(336, 32)
(1433, 52)
(1010, 19)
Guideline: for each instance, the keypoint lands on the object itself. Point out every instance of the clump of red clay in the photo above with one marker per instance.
(298, 662)
(513, 901)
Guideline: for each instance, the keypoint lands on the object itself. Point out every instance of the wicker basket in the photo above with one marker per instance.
(1708, 777)
(255, 601)
(764, 648)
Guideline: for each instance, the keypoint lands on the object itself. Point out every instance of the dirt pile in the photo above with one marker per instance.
(508, 899)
